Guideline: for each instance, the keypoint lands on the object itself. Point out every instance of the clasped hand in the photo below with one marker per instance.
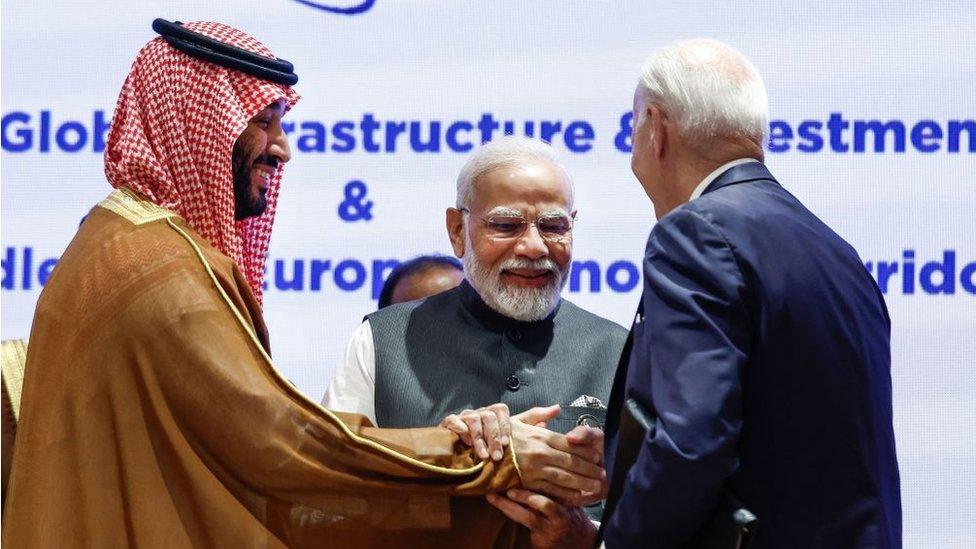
(567, 467)
(563, 472)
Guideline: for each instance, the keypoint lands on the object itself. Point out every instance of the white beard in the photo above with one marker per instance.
(525, 304)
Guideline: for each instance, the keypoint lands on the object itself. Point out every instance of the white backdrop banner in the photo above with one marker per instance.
(874, 129)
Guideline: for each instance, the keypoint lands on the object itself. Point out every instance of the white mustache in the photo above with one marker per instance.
(522, 263)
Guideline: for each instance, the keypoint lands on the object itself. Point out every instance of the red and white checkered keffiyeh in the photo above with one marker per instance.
(173, 134)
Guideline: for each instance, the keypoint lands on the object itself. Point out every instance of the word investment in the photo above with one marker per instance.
(44, 133)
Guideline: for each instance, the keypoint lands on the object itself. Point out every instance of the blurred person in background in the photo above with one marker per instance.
(420, 277)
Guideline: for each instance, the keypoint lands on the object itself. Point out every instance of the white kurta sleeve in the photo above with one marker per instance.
(353, 387)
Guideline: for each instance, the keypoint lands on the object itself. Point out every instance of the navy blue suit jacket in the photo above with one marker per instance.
(764, 353)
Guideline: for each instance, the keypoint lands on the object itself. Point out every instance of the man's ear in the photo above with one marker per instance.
(659, 130)
(455, 230)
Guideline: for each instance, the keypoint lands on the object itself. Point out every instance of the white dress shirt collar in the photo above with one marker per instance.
(717, 172)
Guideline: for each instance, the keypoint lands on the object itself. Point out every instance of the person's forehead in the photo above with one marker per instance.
(431, 272)
(277, 105)
(528, 183)
(427, 281)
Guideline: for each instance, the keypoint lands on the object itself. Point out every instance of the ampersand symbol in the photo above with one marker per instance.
(354, 207)
(622, 141)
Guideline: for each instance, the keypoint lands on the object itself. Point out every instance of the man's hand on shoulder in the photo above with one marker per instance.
(550, 523)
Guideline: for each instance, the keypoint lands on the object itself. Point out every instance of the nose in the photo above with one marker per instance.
(531, 245)
(278, 144)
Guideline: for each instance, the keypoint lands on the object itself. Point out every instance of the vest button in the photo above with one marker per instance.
(513, 383)
(514, 334)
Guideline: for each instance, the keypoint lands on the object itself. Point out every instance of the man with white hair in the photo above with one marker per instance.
(504, 337)
(760, 367)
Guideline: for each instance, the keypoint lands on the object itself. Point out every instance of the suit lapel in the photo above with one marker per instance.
(620, 377)
(614, 418)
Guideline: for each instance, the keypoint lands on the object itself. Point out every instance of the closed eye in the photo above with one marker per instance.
(506, 224)
(557, 225)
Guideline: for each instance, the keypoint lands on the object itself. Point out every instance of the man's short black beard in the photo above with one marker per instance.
(245, 204)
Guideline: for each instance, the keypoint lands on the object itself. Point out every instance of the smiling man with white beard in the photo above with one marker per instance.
(519, 287)
(504, 336)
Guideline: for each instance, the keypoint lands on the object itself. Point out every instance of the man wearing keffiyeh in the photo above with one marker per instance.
(152, 414)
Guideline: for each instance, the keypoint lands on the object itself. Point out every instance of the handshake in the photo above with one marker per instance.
(561, 473)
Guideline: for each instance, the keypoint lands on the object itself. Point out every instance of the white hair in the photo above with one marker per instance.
(709, 89)
(504, 152)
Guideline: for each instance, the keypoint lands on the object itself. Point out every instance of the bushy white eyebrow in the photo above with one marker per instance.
(502, 210)
(559, 212)
(511, 212)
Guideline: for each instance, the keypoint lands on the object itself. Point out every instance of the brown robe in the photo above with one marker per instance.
(152, 416)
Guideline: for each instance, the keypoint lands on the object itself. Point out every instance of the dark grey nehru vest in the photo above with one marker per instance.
(440, 355)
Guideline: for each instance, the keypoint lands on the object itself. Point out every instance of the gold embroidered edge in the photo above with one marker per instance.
(133, 208)
(12, 360)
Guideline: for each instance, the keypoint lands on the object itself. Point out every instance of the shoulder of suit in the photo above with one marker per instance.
(719, 209)
(734, 197)
(699, 211)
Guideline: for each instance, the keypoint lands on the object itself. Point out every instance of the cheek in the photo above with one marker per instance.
(640, 135)
(562, 254)
(490, 252)
(639, 157)
(252, 143)
(259, 146)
